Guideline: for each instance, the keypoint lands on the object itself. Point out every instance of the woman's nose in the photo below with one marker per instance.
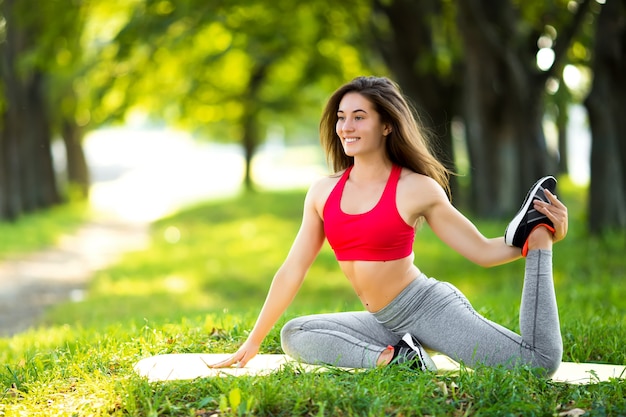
(347, 125)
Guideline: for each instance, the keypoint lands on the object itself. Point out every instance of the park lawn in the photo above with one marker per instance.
(40, 229)
(199, 287)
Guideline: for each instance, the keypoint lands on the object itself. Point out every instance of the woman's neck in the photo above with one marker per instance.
(368, 169)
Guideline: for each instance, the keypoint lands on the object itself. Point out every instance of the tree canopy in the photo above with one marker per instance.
(231, 70)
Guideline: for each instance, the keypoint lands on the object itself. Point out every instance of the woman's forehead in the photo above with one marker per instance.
(353, 101)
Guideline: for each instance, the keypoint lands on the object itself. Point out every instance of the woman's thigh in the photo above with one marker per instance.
(450, 325)
(360, 325)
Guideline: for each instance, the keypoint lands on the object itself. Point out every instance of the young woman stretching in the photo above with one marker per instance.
(387, 182)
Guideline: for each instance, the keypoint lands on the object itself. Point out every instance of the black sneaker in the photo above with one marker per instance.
(527, 218)
(408, 350)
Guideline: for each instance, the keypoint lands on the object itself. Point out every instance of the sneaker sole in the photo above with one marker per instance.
(425, 359)
(509, 234)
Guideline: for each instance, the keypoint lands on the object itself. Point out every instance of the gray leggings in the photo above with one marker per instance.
(443, 320)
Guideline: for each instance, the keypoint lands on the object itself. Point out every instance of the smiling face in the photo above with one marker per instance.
(359, 126)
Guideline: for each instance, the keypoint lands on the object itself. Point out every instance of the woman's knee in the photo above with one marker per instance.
(287, 334)
(550, 360)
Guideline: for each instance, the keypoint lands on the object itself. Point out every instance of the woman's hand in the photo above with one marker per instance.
(246, 352)
(556, 212)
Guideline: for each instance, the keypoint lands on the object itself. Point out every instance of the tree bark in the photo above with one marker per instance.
(496, 88)
(39, 160)
(561, 126)
(29, 181)
(605, 104)
(504, 93)
(251, 135)
(77, 169)
(11, 205)
(10, 197)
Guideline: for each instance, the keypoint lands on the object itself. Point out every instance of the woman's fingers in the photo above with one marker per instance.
(244, 360)
(556, 211)
(246, 352)
(235, 358)
(553, 199)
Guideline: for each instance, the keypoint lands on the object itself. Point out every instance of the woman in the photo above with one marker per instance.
(387, 182)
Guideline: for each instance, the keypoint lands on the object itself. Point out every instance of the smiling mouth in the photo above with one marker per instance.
(350, 140)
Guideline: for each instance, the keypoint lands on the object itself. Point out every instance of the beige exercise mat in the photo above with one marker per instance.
(177, 366)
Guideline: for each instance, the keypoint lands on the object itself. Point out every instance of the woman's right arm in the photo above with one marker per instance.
(286, 282)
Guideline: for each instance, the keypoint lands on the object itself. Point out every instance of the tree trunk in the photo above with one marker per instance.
(11, 205)
(40, 160)
(561, 101)
(606, 103)
(561, 126)
(249, 140)
(503, 108)
(483, 154)
(29, 181)
(251, 136)
(77, 169)
(10, 197)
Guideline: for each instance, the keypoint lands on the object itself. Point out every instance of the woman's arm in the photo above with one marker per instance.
(461, 234)
(286, 282)
(454, 229)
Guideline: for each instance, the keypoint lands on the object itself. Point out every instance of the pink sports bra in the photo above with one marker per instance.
(380, 234)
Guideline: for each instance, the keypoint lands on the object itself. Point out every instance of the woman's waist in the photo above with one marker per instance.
(371, 270)
(377, 286)
(414, 294)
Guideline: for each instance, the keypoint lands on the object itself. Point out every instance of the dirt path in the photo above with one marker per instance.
(31, 283)
(134, 188)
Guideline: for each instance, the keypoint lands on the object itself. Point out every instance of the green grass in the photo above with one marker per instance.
(40, 229)
(200, 284)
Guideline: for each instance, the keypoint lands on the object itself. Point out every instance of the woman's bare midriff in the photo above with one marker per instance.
(377, 283)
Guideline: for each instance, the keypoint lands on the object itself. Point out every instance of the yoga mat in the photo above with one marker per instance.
(186, 366)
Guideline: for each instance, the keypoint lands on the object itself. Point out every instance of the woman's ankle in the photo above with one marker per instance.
(540, 238)
(385, 357)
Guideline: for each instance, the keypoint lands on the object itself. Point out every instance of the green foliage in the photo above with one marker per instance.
(203, 59)
(54, 48)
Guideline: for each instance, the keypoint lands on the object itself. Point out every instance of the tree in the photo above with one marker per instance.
(70, 118)
(41, 66)
(505, 93)
(27, 178)
(227, 69)
(606, 103)
(486, 74)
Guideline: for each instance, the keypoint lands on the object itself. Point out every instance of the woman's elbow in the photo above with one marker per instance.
(485, 263)
(491, 255)
(486, 259)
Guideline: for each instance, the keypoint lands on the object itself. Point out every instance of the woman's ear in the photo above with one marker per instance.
(387, 129)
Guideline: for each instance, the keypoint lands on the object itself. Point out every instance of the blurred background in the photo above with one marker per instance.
(143, 106)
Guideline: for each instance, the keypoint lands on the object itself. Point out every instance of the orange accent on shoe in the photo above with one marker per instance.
(525, 248)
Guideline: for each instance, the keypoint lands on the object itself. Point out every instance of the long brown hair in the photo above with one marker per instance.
(407, 145)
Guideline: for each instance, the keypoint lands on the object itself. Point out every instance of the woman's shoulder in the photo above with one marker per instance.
(412, 182)
(321, 188)
(326, 181)
(415, 178)
(417, 194)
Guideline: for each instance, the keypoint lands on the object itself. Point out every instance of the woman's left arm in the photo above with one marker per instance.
(454, 229)
(458, 232)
